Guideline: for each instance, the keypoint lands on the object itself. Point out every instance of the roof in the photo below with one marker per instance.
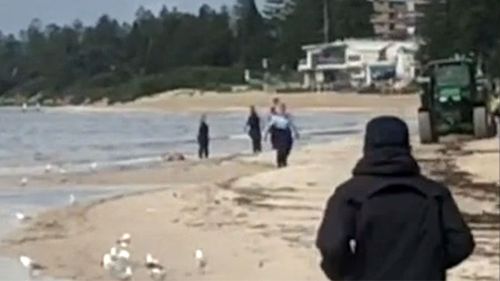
(362, 44)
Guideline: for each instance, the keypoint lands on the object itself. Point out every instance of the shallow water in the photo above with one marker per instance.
(30, 140)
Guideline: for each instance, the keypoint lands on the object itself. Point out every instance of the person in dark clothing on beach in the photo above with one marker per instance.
(253, 129)
(272, 130)
(285, 131)
(203, 138)
(389, 222)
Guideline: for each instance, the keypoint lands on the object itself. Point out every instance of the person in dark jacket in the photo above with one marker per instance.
(253, 129)
(272, 130)
(389, 222)
(203, 138)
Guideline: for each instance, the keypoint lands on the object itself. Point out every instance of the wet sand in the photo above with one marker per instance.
(251, 219)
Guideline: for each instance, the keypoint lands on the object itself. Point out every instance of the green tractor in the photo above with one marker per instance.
(454, 100)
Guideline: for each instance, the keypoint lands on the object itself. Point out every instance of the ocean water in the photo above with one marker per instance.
(73, 140)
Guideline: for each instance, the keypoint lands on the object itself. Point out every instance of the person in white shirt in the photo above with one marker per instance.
(284, 130)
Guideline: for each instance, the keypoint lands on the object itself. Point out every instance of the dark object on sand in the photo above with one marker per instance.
(174, 157)
(403, 225)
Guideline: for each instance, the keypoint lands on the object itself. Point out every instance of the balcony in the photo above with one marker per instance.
(303, 65)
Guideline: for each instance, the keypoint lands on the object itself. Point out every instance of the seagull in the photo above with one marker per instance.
(48, 168)
(33, 267)
(123, 255)
(93, 166)
(24, 181)
(152, 262)
(126, 275)
(22, 217)
(201, 262)
(124, 240)
(72, 199)
(108, 261)
(156, 270)
(157, 274)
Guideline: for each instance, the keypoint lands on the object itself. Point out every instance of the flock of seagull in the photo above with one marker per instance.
(118, 264)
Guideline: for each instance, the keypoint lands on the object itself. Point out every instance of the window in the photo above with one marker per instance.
(453, 75)
(392, 26)
(354, 58)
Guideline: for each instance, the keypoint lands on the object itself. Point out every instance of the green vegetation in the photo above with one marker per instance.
(157, 52)
(462, 27)
(211, 49)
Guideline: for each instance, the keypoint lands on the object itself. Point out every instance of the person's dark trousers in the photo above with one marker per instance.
(284, 143)
(274, 137)
(203, 149)
(256, 144)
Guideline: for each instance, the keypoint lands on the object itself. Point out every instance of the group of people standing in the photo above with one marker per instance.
(280, 127)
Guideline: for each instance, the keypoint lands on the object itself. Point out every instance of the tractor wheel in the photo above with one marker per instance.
(425, 130)
(481, 126)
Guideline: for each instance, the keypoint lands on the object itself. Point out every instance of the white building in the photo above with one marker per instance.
(357, 62)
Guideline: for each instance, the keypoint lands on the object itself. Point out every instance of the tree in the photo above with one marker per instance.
(253, 40)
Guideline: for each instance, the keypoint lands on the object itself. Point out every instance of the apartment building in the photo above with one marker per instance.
(396, 19)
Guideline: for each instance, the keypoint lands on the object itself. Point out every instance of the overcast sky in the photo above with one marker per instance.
(17, 14)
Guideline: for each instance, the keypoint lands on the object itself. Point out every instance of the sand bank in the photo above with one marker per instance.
(190, 100)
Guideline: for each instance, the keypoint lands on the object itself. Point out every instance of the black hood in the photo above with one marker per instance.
(387, 150)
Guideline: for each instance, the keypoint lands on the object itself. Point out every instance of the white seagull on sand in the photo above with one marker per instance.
(124, 240)
(93, 166)
(125, 275)
(201, 261)
(22, 217)
(33, 267)
(24, 181)
(72, 199)
(48, 168)
(156, 270)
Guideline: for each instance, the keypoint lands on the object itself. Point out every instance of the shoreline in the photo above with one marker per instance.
(265, 214)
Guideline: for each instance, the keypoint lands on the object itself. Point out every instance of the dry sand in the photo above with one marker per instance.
(253, 222)
(190, 100)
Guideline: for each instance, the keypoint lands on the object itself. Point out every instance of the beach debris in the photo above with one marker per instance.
(24, 181)
(124, 240)
(48, 168)
(173, 157)
(175, 195)
(93, 167)
(201, 262)
(72, 199)
(261, 264)
(33, 267)
(22, 217)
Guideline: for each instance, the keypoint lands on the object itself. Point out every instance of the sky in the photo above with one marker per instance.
(17, 14)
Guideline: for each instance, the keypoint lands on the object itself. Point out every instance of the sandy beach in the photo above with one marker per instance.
(253, 222)
(192, 100)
